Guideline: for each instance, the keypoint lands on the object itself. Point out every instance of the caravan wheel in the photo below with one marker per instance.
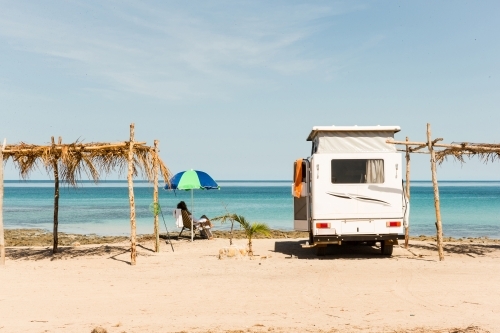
(386, 249)
(320, 251)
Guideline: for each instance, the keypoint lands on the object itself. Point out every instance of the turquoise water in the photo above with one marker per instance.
(469, 209)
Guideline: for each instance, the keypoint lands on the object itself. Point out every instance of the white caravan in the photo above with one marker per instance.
(350, 189)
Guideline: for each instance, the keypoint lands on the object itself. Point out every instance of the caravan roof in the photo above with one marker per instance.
(352, 139)
(331, 129)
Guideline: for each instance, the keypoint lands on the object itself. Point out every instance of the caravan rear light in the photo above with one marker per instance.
(323, 225)
(393, 224)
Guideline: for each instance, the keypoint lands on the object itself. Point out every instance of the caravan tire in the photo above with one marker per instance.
(320, 251)
(386, 249)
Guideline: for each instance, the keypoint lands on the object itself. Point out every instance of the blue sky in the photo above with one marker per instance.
(234, 87)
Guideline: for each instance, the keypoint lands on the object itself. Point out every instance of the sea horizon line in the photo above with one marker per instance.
(227, 181)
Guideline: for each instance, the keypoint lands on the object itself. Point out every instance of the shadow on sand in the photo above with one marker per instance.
(294, 249)
(460, 248)
(184, 236)
(109, 251)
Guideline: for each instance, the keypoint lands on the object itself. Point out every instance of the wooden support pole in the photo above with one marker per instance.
(463, 146)
(415, 152)
(55, 168)
(133, 250)
(407, 226)
(117, 145)
(2, 237)
(439, 228)
(414, 149)
(155, 197)
(82, 147)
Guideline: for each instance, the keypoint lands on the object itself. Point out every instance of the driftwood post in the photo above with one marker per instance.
(133, 251)
(56, 196)
(439, 228)
(2, 238)
(155, 197)
(407, 227)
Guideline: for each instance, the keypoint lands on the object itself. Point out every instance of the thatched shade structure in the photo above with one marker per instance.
(77, 158)
(70, 162)
(2, 239)
(485, 151)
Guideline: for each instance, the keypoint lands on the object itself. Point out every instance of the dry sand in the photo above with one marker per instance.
(283, 289)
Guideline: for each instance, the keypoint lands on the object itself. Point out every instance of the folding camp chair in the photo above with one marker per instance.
(183, 219)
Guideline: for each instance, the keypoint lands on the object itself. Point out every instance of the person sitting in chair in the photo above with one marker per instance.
(204, 221)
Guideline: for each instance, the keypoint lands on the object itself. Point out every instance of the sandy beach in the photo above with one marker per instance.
(283, 288)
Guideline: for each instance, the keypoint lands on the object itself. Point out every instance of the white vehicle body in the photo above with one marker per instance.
(352, 187)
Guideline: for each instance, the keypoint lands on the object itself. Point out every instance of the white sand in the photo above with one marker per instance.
(190, 290)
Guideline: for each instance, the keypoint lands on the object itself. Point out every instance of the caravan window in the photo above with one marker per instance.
(357, 171)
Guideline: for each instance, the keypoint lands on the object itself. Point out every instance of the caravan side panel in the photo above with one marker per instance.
(352, 197)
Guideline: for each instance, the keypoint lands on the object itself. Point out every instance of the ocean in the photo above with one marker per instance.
(468, 208)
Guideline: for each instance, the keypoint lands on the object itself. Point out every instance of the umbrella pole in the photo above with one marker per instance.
(192, 215)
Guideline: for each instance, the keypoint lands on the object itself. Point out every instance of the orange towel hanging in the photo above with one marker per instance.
(297, 185)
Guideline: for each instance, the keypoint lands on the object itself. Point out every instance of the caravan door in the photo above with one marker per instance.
(301, 204)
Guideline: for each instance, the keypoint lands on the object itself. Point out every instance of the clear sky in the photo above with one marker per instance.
(234, 87)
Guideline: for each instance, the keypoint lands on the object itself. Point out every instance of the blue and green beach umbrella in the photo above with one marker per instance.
(192, 180)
